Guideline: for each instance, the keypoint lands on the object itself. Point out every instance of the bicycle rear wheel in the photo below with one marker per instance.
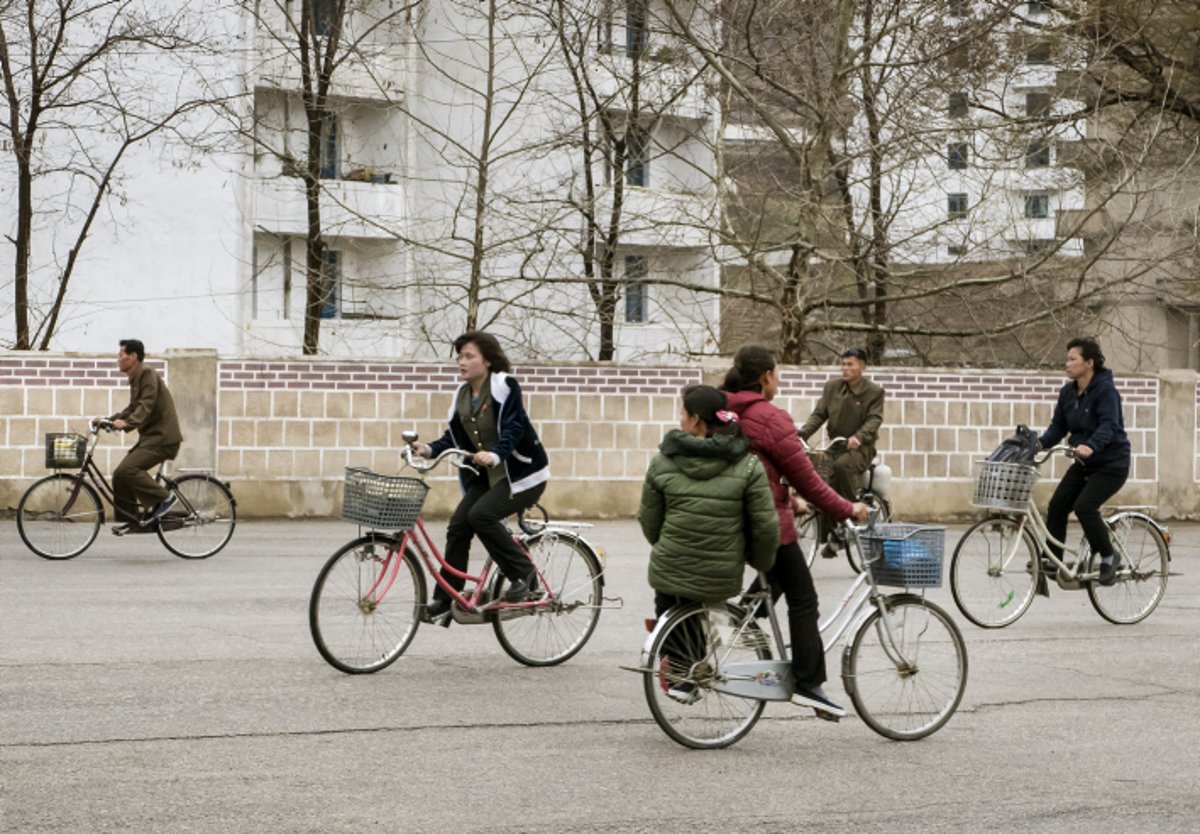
(59, 516)
(365, 605)
(686, 658)
(1141, 577)
(202, 520)
(546, 636)
(994, 572)
(905, 673)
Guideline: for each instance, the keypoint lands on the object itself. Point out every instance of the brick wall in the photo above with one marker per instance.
(285, 429)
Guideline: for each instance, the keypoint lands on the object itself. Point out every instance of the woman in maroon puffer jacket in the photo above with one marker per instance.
(750, 385)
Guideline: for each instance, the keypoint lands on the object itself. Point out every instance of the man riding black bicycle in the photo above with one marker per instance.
(151, 411)
(851, 406)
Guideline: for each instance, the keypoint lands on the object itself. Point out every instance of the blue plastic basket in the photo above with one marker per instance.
(905, 555)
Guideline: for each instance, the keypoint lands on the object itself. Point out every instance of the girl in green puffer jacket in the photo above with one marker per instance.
(702, 490)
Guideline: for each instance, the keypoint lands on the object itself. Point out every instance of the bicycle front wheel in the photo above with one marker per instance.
(808, 537)
(59, 516)
(1141, 577)
(548, 635)
(994, 572)
(202, 520)
(365, 605)
(905, 671)
(686, 661)
(883, 514)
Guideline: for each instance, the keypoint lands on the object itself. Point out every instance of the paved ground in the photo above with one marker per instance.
(141, 692)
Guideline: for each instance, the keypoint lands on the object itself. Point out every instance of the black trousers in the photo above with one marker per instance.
(481, 512)
(1083, 492)
(791, 578)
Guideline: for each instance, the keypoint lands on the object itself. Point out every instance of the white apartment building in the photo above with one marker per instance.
(210, 251)
(980, 175)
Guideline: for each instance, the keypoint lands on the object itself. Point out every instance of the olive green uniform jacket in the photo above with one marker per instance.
(700, 496)
(848, 410)
(151, 411)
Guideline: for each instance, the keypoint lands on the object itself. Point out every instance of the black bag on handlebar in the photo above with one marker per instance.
(1020, 448)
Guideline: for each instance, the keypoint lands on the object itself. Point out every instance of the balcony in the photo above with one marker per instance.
(372, 210)
(662, 220)
(1086, 224)
(377, 75)
(667, 87)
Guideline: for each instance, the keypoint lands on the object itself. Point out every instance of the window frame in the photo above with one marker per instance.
(636, 269)
(959, 212)
(958, 156)
(637, 156)
(1033, 201)
(1037, 154)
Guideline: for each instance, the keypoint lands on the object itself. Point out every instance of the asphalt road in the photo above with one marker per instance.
(140, 692)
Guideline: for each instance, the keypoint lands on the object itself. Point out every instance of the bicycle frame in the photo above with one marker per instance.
(92, 473)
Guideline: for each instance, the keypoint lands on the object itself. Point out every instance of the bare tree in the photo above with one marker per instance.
(81, 88)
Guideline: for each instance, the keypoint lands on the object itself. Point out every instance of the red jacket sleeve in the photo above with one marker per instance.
(792, 461)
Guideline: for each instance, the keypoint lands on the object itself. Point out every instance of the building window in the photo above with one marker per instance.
(957, 156)
(637, 36)
(956, 106)
(287, 277)
(331, 277)
(956, 250)
(1038, 53)
(330, 148)
(604, 27)
(956, 206)
(1037, 206)
(637, 157)
(1035, 7)
(1038, 246)
(324, 14)
(1037, 153)
(956, 8)
(958, 57)
(636, 270)
(1037, 105)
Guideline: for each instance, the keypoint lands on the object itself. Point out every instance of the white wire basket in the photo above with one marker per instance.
(383, 502)
(905, 555)
(1003, 486)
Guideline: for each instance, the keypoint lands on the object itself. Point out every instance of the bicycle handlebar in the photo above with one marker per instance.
(97, 425)
(831, 445)
(1067, 452)
(452, 455)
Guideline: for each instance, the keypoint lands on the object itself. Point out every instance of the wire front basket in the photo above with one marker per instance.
(823, 463)
(65, 451)
(1003, 486)
(905, 555)
(382, 502)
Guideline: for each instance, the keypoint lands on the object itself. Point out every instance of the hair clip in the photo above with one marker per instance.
(727, 416)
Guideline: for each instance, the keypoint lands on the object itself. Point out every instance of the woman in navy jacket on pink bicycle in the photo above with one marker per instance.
(1088, 414)
(488, 418)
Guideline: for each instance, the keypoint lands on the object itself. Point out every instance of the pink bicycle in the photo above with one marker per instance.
(369, 598)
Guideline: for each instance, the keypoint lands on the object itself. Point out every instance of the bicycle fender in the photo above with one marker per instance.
(1163, 530)
(861, 619)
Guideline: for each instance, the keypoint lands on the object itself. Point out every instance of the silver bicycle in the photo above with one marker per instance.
(710, 669)
(997, 566)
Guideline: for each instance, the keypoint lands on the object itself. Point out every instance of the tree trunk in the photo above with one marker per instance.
(314, 244)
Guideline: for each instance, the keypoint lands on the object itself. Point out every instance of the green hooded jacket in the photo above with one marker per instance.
(700, 494)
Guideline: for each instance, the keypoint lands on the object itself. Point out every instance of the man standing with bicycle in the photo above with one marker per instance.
(151, 411)
(851, 406)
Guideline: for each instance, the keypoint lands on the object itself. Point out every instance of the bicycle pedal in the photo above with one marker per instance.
(826, 716)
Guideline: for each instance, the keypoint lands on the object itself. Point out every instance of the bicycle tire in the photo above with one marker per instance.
(853, 547)
(707, 637)
(547, 636)
(906, 677)
(355, 634)
(808, 538)
(992, 579)
(1141, 582)
(201, 522)
(52, 523)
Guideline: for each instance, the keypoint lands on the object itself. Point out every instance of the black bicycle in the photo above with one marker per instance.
(836, 542)
(60, 515)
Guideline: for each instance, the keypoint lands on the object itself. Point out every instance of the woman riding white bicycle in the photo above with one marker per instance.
(1089, 411)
